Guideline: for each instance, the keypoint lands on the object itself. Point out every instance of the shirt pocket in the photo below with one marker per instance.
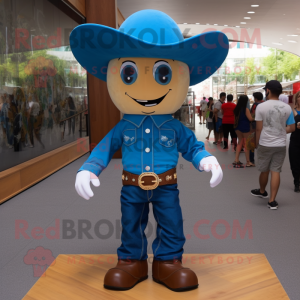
(129, 137)
(167, 137)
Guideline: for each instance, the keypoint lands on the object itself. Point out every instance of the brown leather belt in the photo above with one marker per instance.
(149, 180)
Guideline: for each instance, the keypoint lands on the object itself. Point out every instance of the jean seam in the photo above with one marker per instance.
(151, 196)
(141, 231)
(159, 237)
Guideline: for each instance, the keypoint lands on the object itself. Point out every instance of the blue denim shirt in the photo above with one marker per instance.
(149, 144)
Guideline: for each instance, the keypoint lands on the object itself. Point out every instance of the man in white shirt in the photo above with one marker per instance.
(218, 115)
(203, 107)
(274, 119)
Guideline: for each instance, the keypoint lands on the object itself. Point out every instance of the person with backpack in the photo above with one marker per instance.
(218, 115)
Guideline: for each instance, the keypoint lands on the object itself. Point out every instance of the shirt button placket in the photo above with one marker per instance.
(147, 149)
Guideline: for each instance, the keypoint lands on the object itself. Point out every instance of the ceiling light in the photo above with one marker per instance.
(184, 23)
(292, 34)
(216, 24)
(225, 25)
(247, 18)
(197, 23)
(237, 26)
(207, 24)
(250, 12)
(254, 5)
(277, 44)
(292, 41)
(243, 23)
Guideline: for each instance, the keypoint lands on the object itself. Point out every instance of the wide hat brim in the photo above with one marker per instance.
(94, 45)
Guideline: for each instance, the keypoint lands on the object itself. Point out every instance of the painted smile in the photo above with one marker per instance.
(149, 103)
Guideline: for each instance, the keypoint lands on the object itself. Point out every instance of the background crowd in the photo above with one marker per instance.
(23, 117)
(258, 130)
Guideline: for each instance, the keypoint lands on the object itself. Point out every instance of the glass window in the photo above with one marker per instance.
(43, 89)
(247, 68)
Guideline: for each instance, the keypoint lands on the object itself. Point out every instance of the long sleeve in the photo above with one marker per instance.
(191, 149)
(104, 151)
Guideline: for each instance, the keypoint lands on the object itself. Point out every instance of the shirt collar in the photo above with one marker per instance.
(137, 120)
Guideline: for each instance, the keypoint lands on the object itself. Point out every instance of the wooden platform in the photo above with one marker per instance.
(221, 276)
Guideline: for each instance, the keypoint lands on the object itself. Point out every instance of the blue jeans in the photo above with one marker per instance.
(219, 125)
(169, 240)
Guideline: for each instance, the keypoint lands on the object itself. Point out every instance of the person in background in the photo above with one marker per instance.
(17, 121)
(86, 115)
(22, 104)
(203, 107)
(209, 121)
(258, 98)
(218, 115)
(228, 121)
(34, 119)
(274, 119)
(294, 148)
(11, 114)
(71, 112)
(62, 116)
(284, 98)
(242, 128)
(3, 113)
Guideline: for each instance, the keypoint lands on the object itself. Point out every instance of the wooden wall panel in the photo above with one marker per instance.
(103, 113)
(21, 177)
(79, 5)
(121, 18)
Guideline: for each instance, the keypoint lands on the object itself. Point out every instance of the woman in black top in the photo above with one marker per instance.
(294, 149)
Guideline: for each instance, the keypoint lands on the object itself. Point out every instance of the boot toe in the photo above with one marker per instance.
(182, 280)
(116, 279)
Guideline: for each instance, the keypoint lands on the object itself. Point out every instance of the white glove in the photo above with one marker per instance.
(82, 184)
(210, 163)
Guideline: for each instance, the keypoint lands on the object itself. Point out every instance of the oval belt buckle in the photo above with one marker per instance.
(148, 187)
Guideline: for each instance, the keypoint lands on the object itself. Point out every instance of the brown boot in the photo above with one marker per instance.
(126, 274)
(174, 276)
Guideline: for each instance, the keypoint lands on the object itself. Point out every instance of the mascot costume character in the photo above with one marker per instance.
(148, 67)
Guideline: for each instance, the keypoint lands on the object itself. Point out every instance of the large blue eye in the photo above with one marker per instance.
(128, 72)
(162, 72)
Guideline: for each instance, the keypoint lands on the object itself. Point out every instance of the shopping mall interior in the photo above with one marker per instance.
(61, 117)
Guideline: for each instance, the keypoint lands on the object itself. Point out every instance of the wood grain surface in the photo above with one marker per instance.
(221, 277)
(23, 176)
(79, 5)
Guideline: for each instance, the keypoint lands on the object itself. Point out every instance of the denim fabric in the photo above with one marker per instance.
(169, 240)
(149, 144)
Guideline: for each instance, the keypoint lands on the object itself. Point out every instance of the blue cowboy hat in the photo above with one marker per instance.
(148, 33)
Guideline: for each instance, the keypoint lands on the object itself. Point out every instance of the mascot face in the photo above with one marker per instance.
(148, 86)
